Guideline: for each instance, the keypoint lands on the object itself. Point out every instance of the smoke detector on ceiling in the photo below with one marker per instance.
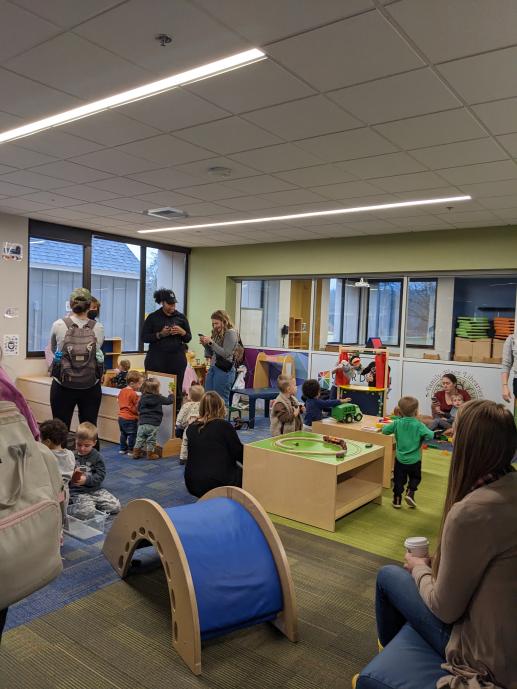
(362, 283)
(220, 171)
(166, 213)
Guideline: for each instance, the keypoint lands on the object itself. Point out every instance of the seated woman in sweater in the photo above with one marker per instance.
(214, 449)
(462, 601)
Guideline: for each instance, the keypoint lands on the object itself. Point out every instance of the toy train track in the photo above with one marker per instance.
(293, 446)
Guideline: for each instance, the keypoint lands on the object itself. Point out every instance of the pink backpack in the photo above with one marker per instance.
(30, 515)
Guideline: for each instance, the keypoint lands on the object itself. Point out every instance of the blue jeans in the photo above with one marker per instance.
(398, 601)
(128, 429)
(221, 382)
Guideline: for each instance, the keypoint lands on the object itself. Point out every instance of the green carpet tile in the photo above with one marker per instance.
(381, 529)
(119, 636)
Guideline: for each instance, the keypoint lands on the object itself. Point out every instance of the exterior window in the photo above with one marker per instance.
(384, 297)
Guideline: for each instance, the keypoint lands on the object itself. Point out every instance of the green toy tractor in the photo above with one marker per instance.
(347, 413)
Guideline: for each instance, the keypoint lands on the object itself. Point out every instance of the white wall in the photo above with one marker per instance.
(13, 293)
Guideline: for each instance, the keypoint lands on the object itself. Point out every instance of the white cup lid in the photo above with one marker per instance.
(416, 542)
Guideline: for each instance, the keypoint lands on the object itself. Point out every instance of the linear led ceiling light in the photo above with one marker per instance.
(211, 69)
(315, 214)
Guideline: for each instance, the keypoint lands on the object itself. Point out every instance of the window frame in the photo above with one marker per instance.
(420, 279)
(39, 229)
(399, 326)
(341, 341)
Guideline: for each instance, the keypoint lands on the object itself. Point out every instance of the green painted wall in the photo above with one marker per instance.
(211, 269)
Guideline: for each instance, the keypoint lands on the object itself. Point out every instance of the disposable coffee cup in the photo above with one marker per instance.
(417, 546)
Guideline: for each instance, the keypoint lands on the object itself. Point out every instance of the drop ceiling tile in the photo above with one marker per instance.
(434, 193)
(256, 86)
(110, 129)
(65, 13)
(294, 196)
(8, 121)
(347, 57)
(507, 214)
(228, 136)
(448, 29)
(483, 172)
(127, 204)
(201, 170)
(332, 230)
(32, 179)
(197, 38)
(13, 40)
(509, 141)
(11, 154)
(115, 161)
(483, 189)
(165, 150)
(166, 178)
(260, 184)
(359, 143)
(172, 110)
(275, 158)
(20, 205)
(31, 100)
(483, 77)
(4, 169)
(392, 98)
(500, 116)
(247, 203)
(211, 192)
(196, 210)
(317, 175)
(59, 62)
(166, 198)
(371, 226)
(303, 118)
(83, 192)
(460, 153)
(467, 217)
(421, 222)
(58, 144)
(8, 189)
(382, 166)
(122, 186)
(431, 130)
(347, 190)
(419, 180)
(51, 200)
(69, 214)
(270, 20)
(96, 209)
(70, 172)
(499, 202)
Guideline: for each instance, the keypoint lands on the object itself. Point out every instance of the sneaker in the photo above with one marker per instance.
(410, 498)
(397, 502)
(123, 452)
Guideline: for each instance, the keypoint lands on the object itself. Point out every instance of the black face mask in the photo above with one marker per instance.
(93, 315)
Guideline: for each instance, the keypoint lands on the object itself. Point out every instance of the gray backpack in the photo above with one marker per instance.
(30, 516)
(78, 366)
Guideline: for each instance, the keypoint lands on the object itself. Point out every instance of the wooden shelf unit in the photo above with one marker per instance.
(112, 348)
(300, 313)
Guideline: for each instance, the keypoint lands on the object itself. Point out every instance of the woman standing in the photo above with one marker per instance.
(509, 363)
(81, 387)
(220, 348)
(167, 331)
(464, 604)
(214, 448)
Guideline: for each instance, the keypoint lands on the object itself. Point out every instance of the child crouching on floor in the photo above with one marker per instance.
(286, 411)
(409, 434)
(314, 407)
(54, 434)
(86, 494)
(128, 412)
(190, 407)
(150, 416)
(119, 380)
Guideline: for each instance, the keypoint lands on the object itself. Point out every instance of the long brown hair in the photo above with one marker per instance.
(225, 319)
(211, 407)
(485, 443)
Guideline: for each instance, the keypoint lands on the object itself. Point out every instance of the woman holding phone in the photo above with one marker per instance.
(166, 330)
(220, 347)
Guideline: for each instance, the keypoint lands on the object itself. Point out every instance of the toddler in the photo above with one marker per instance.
(445, 423)
(314, 407)
(150, 415)
(128, 412)
(345, 373)
(409, 435)
(189, 412)
(120, 379)
(54, 434)
(86, 494)
(286, 410)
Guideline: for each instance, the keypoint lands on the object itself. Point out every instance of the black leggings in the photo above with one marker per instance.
(63, 402)
(3, 618)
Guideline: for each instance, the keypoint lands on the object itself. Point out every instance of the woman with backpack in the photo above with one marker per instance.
(76, 342)
(221, 347)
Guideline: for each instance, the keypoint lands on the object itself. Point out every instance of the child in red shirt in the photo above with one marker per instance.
(128, 412)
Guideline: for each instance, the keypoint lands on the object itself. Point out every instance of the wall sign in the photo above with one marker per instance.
(11, 345)
(12, 251)
(12, 312)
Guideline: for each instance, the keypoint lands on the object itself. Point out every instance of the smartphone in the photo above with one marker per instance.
(200, 335)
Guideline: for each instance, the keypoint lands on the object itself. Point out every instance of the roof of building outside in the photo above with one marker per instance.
(111, 256)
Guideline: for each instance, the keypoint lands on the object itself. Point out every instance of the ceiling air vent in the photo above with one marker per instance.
(166, 213)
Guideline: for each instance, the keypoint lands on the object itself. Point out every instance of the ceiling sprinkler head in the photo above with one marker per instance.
(163, 39)
(220, 171)
(362, 283)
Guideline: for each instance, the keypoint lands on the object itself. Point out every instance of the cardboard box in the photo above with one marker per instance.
(462, 358)
(481, 349)
(497, 348)
(462, 348)
(432, 356)
(492, 360)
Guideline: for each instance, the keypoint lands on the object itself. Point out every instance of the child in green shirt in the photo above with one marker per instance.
(409, 435)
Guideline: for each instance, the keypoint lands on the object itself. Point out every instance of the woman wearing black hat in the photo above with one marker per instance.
(167, 331)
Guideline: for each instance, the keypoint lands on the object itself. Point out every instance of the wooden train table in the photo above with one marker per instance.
(311, 480)
(366, 432)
